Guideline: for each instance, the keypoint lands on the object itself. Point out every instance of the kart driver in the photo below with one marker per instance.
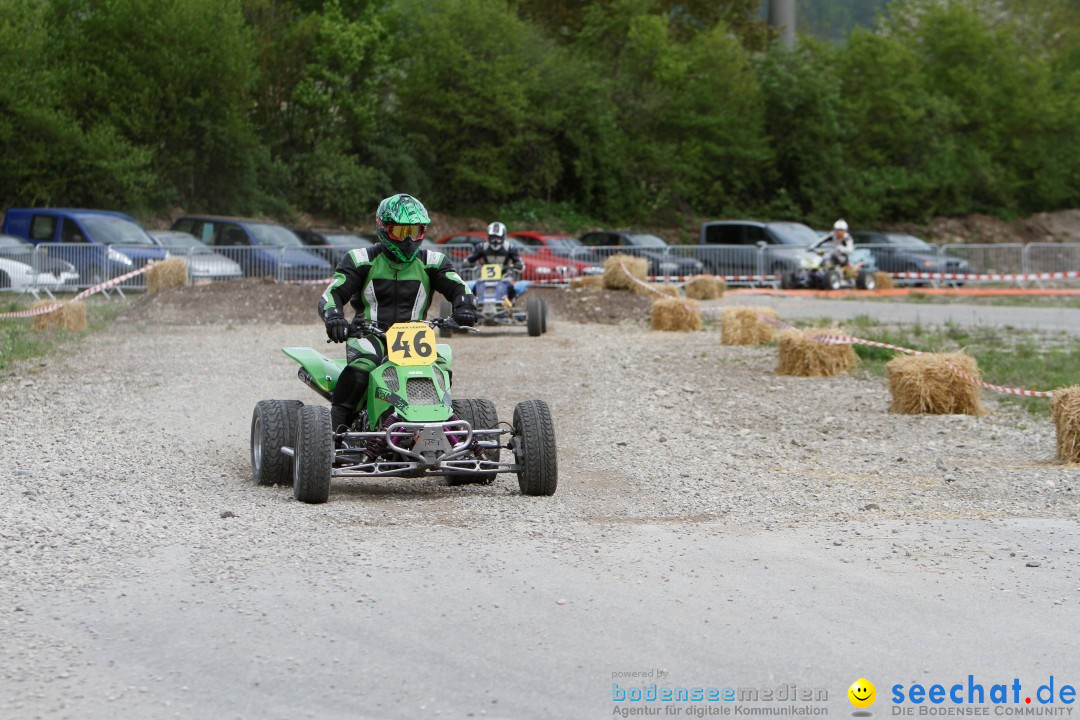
(497, 250)
(842, 244)
(387, 283)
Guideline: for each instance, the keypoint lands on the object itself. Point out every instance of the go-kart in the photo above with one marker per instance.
(495, 306)
(408, 425)
(827, 269)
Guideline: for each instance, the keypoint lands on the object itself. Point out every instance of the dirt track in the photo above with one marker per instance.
(708, 514)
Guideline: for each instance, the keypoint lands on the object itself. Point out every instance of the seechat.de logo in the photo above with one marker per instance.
(862, 693)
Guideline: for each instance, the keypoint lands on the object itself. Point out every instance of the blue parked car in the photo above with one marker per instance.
(262, 248)
(100, 244)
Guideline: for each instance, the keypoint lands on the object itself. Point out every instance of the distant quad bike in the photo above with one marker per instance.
(493, 304)
(408, 424)
(819, 271)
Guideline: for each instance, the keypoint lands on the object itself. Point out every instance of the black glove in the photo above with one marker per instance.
(337, 327)
(465, 311)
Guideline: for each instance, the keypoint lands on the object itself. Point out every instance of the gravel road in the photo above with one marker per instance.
(712, 520)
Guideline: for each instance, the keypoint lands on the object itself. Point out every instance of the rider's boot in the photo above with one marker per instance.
(348, 394)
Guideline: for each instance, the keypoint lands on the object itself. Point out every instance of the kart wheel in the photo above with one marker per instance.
(481, 415)
(866, 281)
(534, 436)
(313, 454)
(543, 315)
(446, 310)
(272, 425)
(534, 319)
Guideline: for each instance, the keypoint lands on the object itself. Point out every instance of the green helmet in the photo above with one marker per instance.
(400, 223)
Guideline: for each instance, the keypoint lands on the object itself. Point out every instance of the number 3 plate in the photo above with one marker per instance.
(411, 343)
(491, 272)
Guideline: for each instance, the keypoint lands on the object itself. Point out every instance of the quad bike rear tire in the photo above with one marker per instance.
(480, 414)
(865, 281)
(534, 317)
(273, 424)
(534, 448)
(313, 455)
(543, 315)
(446, 310)
(833, 280)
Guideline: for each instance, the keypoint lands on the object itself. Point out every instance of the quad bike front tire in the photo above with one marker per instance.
(481, 415)
(273, 424)
(865, 281)
(833, 280)
(534, 448)
(313, 455)
(534, 317)
(446, 310)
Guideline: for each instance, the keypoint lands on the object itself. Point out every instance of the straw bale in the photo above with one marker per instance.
(804, 356)
(746, 326)
(615, 278)
(73, 316)
(927, 384)
(676, 314)
(166, 274)
(1065, 409)
(884, 280)
(588, 282)
(48, 320)
(705, 287)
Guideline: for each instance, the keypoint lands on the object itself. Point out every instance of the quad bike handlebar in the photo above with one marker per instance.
(360, 326)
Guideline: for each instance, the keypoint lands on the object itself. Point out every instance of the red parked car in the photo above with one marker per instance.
(540, 263)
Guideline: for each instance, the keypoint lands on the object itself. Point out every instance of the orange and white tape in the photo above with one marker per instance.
(987, 276)
(84, 294)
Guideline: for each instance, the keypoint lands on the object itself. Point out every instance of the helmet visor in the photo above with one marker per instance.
(402, 233)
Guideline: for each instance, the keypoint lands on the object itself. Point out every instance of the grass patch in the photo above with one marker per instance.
(1007, 356)
(19, 343)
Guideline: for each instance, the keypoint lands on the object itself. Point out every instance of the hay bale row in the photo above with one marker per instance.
(802, 355)
(927, 384)
(884, 280)
(616, 278)
(705, 287)
(166, 274)
(69, 316)
(747, 326)
(1065, 409)
(675, 314)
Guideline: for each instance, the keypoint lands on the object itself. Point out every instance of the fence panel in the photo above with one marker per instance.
(1001, 258)
(1053, 257)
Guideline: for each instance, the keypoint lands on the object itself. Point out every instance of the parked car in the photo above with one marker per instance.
(554, 244)
(262, 248)
(332, 245)
(742, 241)
(901, 252)
(49, 272)
(538, 266)
(203, 263)
(601, 244)
(100, 244)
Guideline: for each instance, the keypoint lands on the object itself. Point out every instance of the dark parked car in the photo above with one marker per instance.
(263, 249)
(601, 244)
(901, 252)
(333, 244)
(100, 244)
(742, 241)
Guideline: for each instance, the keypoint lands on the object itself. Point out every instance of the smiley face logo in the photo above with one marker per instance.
(862, 693)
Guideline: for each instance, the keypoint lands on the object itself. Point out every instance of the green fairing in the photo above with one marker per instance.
(325, 373)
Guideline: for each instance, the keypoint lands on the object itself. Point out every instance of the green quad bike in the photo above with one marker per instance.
(408, 425)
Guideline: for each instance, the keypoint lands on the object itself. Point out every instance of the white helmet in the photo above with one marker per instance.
(839, 225)
(496, 233)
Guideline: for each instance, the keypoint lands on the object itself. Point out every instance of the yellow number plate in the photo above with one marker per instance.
(491, 272)
(411, 343)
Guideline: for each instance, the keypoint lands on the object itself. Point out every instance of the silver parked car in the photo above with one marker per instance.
(203, 263)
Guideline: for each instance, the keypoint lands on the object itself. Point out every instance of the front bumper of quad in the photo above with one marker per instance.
(423, 449)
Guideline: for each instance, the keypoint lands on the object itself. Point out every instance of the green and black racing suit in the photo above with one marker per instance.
(386, 291)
